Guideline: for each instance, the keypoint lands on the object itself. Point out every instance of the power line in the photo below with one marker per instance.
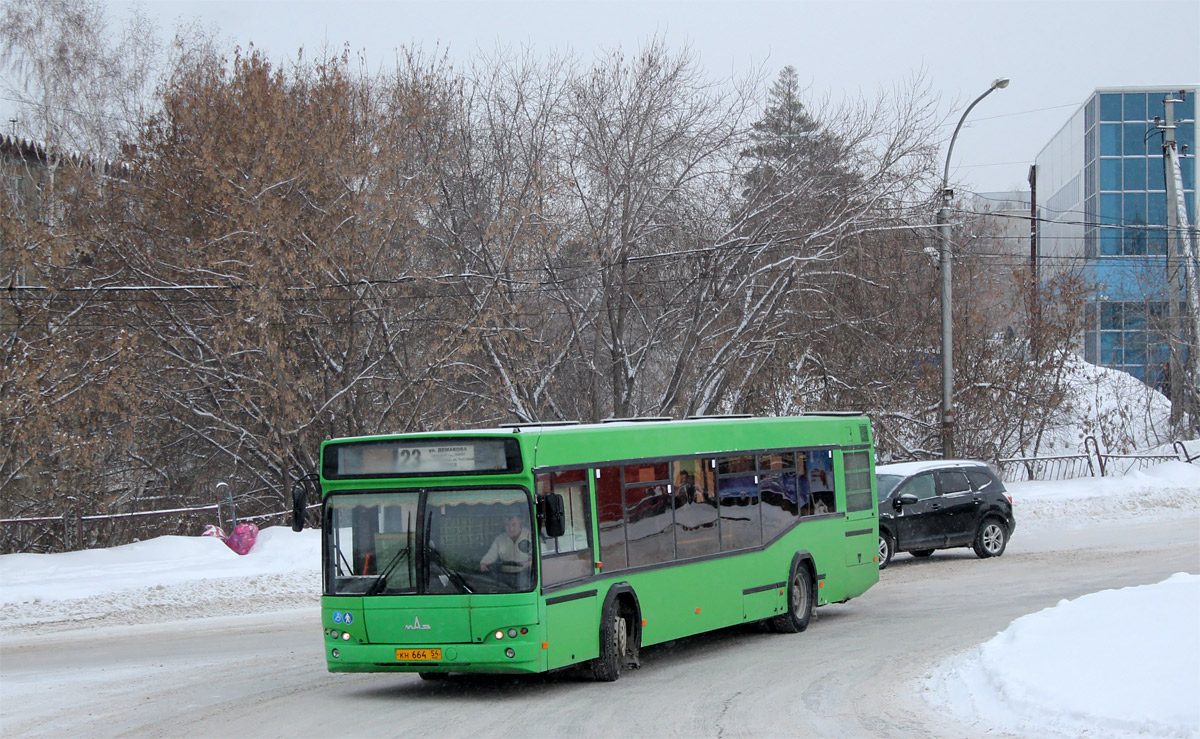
(1028, 112)
(1086, 224)
(495, 285)
(993, 164)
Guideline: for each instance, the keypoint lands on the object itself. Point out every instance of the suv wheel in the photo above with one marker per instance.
(887, 547)
(991, 538)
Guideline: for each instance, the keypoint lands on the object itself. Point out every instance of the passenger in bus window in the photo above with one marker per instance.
(803, 493)
(706, 482)
(685, 489)
(510, 552)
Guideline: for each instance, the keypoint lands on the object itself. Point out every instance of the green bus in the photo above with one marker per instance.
(530, 548)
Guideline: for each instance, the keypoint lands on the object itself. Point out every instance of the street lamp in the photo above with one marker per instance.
(943, 220)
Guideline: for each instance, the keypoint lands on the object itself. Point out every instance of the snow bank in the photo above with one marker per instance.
(1116, 663)
(1119, 661)
(1161, 491)
(161, 562)
(164, 579)
(1121, 411)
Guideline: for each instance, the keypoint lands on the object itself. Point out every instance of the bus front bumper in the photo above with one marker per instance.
(490, 657)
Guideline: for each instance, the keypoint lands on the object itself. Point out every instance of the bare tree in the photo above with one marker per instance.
(272, 223)
(78, 88)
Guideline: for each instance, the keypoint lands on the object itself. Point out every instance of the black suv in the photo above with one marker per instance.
(945, 503)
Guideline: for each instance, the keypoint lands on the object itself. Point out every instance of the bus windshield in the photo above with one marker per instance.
(429, 542)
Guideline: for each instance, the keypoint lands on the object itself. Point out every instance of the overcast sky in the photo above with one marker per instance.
(1055, 53)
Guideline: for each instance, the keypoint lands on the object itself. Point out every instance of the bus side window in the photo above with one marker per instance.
(777, 492)
(578, 534)
(858, 481)
(820, 482)
(569, 556)
(649, 514)
(695, 508)
(738, 499)
(610, 518)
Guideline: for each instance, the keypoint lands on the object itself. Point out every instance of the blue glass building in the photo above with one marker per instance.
(1103, 209)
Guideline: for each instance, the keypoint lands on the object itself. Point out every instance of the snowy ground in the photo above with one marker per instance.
(1113, 663)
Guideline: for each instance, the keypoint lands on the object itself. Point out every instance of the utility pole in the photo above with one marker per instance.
(1034, 307)
(945, 262)
(1180, 248)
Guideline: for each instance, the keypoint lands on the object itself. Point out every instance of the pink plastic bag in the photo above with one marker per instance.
(243, 537)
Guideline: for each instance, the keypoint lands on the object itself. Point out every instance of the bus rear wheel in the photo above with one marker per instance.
(800, 602)
(614, 643)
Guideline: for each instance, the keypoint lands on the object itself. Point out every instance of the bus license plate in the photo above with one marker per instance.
(418, 655)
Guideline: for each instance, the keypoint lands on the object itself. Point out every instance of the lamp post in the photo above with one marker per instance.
(943, 220)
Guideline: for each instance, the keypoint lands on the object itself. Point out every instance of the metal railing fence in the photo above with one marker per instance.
(1092, 462)
(73, 531)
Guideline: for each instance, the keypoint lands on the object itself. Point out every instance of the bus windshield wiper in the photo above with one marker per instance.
(436, 557)
(381, 580)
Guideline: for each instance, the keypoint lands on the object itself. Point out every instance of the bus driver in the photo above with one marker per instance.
(511, 552)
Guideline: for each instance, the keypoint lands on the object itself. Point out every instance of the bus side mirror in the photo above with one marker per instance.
(555, 515)
(299, 501)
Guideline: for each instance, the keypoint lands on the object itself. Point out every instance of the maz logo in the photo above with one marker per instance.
(416, 624)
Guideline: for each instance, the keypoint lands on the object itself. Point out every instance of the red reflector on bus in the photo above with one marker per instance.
(643, 622)
(781, 591)
(545, 645)
(821, 584)
(697, 610)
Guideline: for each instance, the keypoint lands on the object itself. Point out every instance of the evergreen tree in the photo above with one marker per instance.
(798, 167)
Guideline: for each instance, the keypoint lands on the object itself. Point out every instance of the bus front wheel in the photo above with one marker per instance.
(614, 643)
(800, 602)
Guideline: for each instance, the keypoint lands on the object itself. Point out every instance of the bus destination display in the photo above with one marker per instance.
(410, 457)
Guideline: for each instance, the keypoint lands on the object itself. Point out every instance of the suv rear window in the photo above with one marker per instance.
(983, 480)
